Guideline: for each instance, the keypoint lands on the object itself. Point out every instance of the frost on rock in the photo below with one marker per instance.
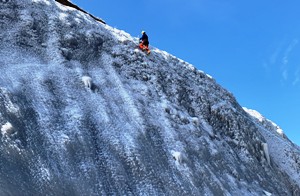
(152, 125)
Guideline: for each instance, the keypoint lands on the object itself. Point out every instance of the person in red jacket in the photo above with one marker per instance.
(144, 42)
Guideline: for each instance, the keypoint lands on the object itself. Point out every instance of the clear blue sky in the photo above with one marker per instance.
(251, 48)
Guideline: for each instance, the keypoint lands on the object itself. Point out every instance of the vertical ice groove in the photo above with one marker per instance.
(127, 99)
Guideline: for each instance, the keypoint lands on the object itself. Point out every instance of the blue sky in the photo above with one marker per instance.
(251, 48)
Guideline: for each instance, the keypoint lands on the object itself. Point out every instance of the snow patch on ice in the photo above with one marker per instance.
(7, 129)
(44, 1)
(63, 17)
(254, 113)
(280, 131)
(87, 81)
(120, 35)
(267, 193)
(209, 76)
(177, 156)
(196, 121)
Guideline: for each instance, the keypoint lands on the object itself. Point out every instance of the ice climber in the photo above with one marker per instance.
(144, 42)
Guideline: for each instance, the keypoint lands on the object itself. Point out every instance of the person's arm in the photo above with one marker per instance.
(143, 37)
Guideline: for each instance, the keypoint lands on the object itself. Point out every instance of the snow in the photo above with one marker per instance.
(262, 119)
(255, 114)
(177, 156)
(267, 193)
(7, 128)
(47, 2)
(87, 81)
(120, 137)
(282, 151)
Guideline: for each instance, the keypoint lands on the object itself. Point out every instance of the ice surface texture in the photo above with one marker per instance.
(144, 125)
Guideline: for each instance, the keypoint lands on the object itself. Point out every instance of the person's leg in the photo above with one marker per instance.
(147, 49)
(141, 45)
